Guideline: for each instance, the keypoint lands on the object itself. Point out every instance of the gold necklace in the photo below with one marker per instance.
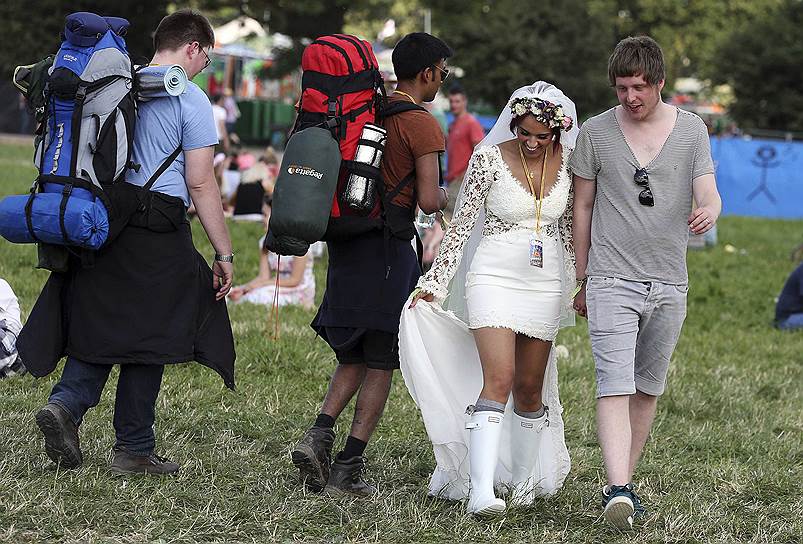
(529, 175)
(407, 95)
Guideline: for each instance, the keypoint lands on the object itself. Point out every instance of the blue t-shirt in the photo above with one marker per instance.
(163, 123)
(791, 299)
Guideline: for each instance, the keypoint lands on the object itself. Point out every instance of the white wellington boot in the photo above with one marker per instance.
(525, 444)
(486, 430)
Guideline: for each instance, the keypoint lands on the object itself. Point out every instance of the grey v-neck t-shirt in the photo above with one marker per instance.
(628, 240)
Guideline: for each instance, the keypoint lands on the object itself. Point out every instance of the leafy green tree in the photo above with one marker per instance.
(303, 20)
(29, 35)
(763, 63)
(690, 32)
(505, 44)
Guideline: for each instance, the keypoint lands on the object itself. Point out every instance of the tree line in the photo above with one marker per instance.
(752, 45)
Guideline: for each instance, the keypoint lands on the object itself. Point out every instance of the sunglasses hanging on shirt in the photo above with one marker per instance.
(641, 178)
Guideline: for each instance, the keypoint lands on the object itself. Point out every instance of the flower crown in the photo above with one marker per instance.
(544, 112)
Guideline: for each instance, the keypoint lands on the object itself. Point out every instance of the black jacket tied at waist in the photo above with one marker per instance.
(148, 299)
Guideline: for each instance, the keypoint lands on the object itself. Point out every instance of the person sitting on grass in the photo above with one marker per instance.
(256, 183)
(789, 308)
(296, 278)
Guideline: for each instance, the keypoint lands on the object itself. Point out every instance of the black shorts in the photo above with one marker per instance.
(378, 350)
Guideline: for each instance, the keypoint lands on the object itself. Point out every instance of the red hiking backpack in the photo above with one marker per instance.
(342, 90)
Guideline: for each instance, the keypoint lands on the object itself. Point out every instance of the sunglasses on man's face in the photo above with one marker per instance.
(641, 178)
(444, 72)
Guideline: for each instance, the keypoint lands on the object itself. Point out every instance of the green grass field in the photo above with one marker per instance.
(725, 463)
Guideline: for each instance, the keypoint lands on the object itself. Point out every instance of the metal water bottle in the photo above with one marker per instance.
(360, 191)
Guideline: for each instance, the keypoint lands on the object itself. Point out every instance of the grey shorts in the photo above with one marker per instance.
(634, 327)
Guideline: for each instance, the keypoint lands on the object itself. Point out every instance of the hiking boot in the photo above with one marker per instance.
(61, 436)
(622, 505)
(312, 456)
(128, 463)
(345, 478)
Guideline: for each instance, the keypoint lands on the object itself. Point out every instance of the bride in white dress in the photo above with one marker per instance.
(479, 329)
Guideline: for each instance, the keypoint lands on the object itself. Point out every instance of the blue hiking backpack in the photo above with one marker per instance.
(88, 114)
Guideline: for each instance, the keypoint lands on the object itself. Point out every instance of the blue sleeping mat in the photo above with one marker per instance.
(85, 221)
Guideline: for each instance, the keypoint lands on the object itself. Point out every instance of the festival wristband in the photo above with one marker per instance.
(579, 286)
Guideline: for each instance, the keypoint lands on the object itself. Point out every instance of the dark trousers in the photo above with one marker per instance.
(80, 387)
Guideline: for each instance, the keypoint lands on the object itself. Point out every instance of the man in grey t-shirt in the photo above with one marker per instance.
(636, 169)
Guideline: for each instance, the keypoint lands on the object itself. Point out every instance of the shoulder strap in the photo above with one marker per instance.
(404, 182)
(161, 170)
(399, 106)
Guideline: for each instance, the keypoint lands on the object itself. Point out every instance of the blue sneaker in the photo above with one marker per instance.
(620, 505)
(638, 508)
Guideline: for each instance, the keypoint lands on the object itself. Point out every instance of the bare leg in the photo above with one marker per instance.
(528, 383)
(642, 414)
(497, 350)
(344, 384)
(371, 403)
(613, 431)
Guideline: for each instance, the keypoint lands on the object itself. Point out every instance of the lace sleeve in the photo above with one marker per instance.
(477, 182)
(565, 233)
(565, 230)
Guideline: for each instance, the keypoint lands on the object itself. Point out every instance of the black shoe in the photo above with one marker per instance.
(128, 463)
(345, 478)
(61, 436)
(313, 455)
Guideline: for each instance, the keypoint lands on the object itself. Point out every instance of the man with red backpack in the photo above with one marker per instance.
(371, 275)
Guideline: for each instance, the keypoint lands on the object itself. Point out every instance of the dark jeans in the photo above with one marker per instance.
(80, 387)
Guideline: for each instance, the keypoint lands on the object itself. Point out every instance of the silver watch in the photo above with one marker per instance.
(224, 258)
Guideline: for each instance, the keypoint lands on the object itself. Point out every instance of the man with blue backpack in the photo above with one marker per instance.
(149, 298)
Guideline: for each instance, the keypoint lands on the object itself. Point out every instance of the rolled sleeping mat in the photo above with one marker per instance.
(84, 28)
(159, 82)
(304, 192)
(86, 222)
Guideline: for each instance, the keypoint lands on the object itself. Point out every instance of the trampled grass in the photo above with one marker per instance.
(725, 463)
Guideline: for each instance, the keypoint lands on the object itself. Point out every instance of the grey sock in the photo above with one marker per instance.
(487, 405)
(531, 415)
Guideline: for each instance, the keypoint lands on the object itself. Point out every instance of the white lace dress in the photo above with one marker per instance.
(439, 359)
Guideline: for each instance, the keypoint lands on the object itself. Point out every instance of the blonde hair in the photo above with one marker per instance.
(270, 156)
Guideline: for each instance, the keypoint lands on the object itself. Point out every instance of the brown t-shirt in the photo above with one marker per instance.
(411, 134)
